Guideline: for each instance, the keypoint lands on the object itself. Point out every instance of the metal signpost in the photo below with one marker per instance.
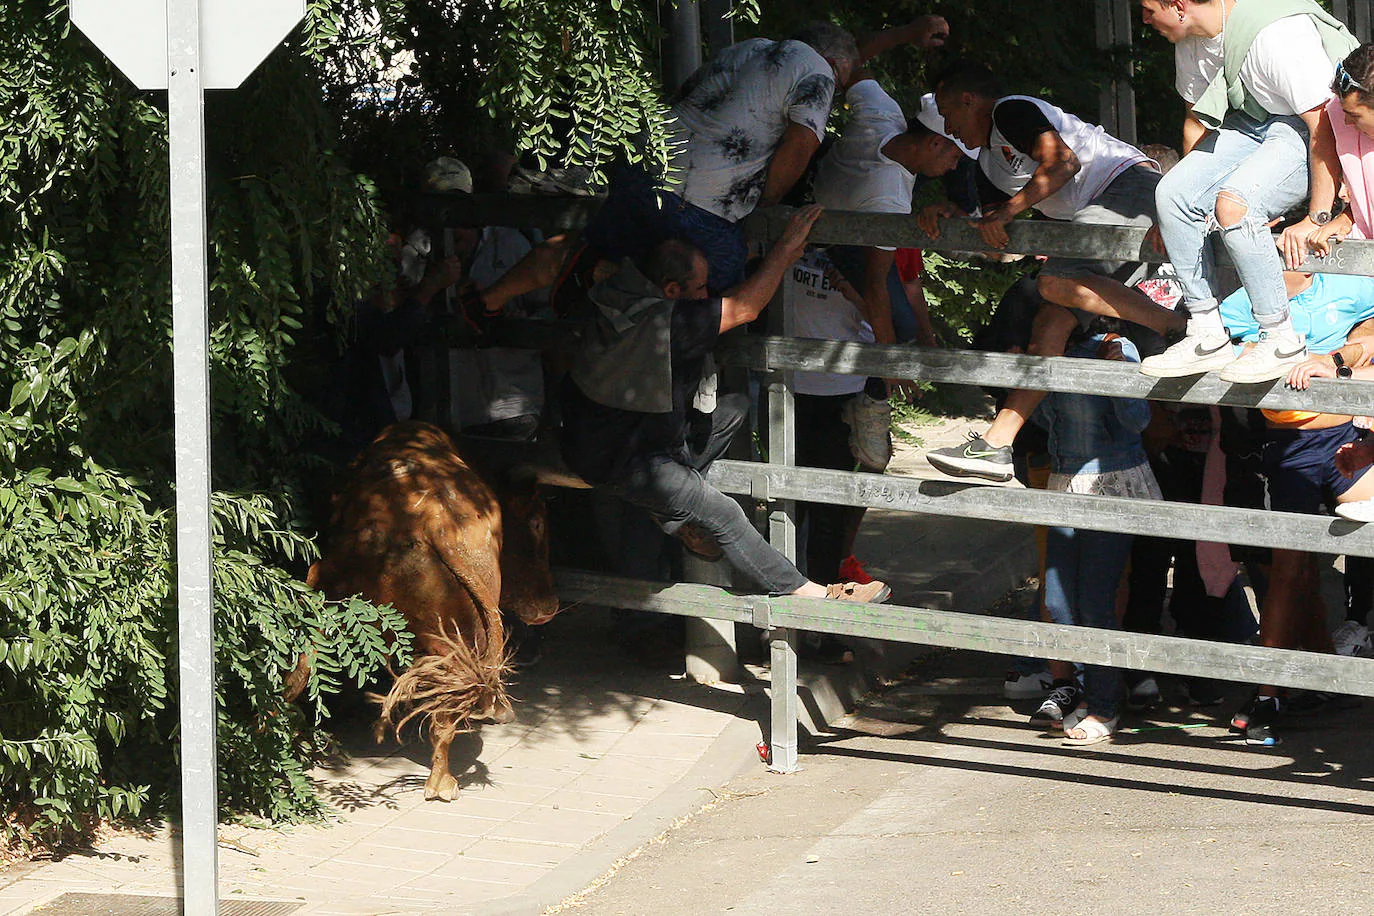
(185, 47)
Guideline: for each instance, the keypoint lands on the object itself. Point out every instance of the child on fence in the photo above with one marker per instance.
(1095, 448)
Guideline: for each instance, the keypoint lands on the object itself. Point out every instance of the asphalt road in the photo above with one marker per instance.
(938, 798)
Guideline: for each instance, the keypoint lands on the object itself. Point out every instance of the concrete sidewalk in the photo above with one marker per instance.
(604, 757)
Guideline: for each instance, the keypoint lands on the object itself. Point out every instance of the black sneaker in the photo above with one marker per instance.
(1201, 692)
(1259, 726)
(1308, 703)
(975, 458)
(1063, 699)
(1241, 720)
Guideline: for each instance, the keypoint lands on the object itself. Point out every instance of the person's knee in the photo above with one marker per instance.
(1049, 334)
(1059, 290)
(1231, 209)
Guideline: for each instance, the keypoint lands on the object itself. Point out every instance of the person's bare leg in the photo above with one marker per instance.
(1104, 296)
(1049, 335)
(536, 270)
(1281, 617)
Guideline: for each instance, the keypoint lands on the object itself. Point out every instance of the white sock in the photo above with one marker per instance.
(1204, 319)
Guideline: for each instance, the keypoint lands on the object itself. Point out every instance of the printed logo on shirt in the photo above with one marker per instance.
(1014, 159)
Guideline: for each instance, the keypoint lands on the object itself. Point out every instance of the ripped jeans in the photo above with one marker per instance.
(1259, 164)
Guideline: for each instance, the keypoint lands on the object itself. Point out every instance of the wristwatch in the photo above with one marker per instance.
(1342, 370)
(1321, 217)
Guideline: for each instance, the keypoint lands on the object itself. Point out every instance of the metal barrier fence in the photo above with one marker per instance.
(779, 482)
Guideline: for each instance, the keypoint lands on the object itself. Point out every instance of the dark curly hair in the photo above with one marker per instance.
(1358, 66)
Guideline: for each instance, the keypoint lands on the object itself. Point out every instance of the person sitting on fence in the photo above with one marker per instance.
(1036, 156)
(636, 387)
(1095, 448)
(743, 128)
(1255, 76)
(1335, 315)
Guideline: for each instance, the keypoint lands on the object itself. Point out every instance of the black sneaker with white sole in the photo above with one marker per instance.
(975, 458)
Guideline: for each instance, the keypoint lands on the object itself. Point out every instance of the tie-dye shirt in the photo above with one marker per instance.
(731, 115)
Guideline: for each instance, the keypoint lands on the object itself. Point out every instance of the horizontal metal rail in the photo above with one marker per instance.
(1051, 238)
(1007, 636)
(995, 370)
(1155, 518)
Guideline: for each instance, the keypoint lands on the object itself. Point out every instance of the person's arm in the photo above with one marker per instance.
(1324, 169)
(925, 32)
(1357, 353)
(1193, 131)
(1057, 166)
(743, 304)
(877, 300)
(799, 143)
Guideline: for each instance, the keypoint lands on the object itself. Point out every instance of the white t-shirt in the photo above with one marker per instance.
(855, 175)
(1286, 70)
(821, 312)
(732, 115)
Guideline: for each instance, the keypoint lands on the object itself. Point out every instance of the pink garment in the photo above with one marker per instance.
(1357, 170)
(1214, 562)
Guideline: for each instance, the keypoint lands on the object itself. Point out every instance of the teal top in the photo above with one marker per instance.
(1227, 92)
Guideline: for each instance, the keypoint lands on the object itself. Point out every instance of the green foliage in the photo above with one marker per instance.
(87, 645)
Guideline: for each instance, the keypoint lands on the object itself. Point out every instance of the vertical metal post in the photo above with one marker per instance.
(1364, 14)
(1341, 10)
(191, 386)
(716, 25)
(682, 53)
(782, 534)
(1116, 100)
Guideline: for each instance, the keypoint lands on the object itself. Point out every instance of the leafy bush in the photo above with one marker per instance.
(87, 644)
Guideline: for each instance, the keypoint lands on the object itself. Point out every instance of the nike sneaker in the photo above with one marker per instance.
(975, 458)
(1193, 355)
(1276, 352)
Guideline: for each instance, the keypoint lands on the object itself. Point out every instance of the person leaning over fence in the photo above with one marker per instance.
(628, 401)
(1095, 448)
(743, 129)
(1256, 77)
(1035, 156)
(1335, 315)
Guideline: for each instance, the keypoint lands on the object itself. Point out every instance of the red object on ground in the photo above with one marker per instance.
(851, 570)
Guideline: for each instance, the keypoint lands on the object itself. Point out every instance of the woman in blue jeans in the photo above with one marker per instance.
(1095, 448)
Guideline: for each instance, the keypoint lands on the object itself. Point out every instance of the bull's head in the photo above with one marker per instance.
(526, 580)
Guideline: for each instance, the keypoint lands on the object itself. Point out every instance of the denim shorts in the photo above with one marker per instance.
(638, 215)
(1129, 200)
(1300, 465)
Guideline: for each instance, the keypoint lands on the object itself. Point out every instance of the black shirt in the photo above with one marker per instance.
(601, 444)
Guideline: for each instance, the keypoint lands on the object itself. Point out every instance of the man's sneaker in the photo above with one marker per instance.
(1018, 686)
(1195, 354)
(851, 570)
(1063, 699)
(1270, 358)
(975, 458)
(874, 592)
(1143, 695)
(870, 430)
(1240, 721)
(1259, 726)
(1361, 510)
(1352, 638)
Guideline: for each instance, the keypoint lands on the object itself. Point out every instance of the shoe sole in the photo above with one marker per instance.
(1201, 367)
(954, 469)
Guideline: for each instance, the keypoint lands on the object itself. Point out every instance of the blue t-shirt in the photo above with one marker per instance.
(1323, 313)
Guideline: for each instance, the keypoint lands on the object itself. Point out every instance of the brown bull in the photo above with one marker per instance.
(415, 527)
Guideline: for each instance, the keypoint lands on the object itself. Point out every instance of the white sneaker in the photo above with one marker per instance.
(1352, 638)
(1019, 686)
(1195, 354)
(1359, 511)
(870, 430)
(1270, 358)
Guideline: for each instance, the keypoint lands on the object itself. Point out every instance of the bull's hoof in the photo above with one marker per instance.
(444, 788)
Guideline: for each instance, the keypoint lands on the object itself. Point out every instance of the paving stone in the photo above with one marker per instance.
(662, 746)
(418, 860)
(595, 803)
(546, 825)
(516, 852)
(467, 867)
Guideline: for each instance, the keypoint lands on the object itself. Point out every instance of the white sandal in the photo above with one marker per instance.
(1094, 731)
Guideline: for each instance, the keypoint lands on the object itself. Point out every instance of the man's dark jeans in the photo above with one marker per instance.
(677, 493)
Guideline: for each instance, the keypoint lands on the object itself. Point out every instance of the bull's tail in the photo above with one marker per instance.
(448, 689)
